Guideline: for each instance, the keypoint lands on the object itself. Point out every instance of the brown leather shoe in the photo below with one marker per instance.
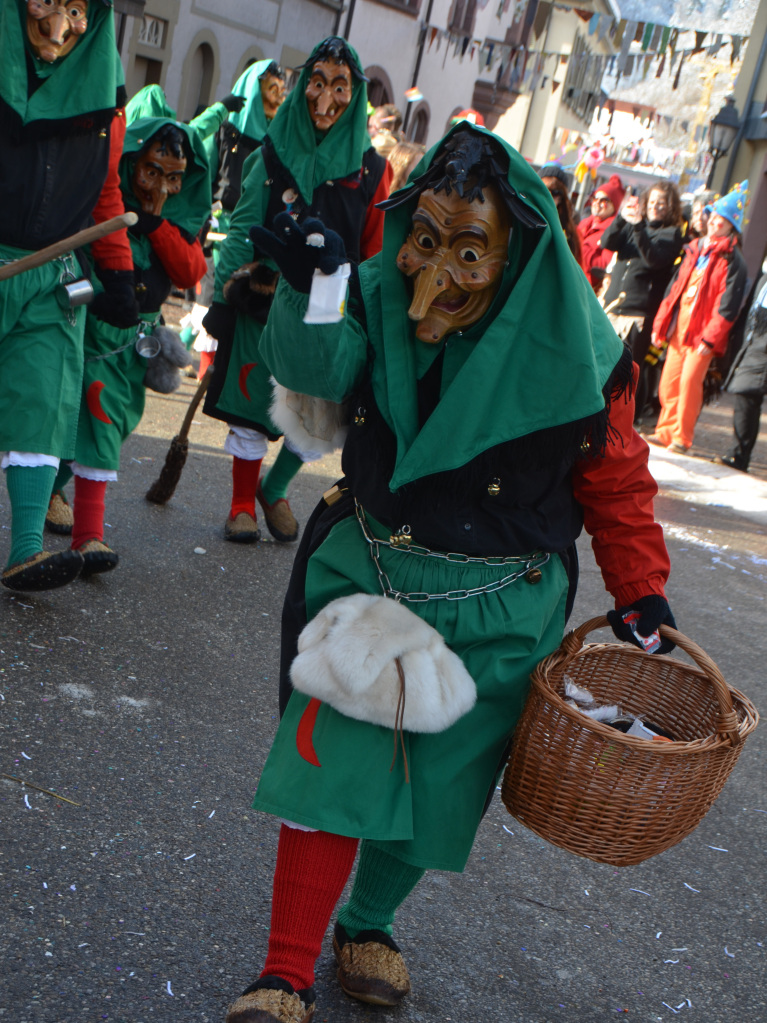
(97, 557)
(370, 967)
(243, 528)
(280, 520)
(59, 518)
(678, 449)
(272, 1000)
(655, 438)
(43, 571)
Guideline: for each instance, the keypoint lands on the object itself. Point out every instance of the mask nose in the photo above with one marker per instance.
(428, 283)
(58, 27)
(324, 101)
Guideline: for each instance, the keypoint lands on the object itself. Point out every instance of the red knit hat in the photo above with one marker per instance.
(614, 191)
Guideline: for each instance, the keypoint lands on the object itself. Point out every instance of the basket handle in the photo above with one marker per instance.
(728, 720)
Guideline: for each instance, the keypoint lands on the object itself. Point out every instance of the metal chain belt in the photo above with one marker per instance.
(526, 563)
(140, 332)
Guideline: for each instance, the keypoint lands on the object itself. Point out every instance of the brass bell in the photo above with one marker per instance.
(494, 487)
(534, 576)
(402, 538)
(359, 419)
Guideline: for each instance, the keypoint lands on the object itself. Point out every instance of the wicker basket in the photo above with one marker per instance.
(610, 797)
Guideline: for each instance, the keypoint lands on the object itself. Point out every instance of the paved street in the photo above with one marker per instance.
(148, 698)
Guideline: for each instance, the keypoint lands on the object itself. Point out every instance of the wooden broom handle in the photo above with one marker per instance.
(74, 241)
(194, 404)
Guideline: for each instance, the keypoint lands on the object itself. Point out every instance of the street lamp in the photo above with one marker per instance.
(724, 128)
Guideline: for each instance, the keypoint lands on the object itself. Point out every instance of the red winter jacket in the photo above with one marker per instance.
(592, 257)
(719, 297)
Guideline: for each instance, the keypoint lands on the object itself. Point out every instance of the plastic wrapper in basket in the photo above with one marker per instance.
(614, 798)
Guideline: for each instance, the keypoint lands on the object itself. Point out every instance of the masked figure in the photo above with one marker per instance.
(316, 160)
(62, 127)
(260, 91)
(490, 420)
(164, 178)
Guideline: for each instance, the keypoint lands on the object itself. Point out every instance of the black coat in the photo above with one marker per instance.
(646, 256)
(749, 369)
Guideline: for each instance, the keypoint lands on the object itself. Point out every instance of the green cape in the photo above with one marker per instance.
(310, 157)
(190, 207)
(83, 82)
(148, 102)
(251, 120)
(537, 360)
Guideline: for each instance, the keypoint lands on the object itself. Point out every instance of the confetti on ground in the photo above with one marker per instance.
(640, 891)
(718, 848)
(139, 933)
(190, 857)
(26, 800)
(670, 961)
(173, 996)
(730, 954)
(691, 888)
(200, 550)
(211, 814)
(658, 935)
(84, 943)
(586, 891)
(755, 809)
(506, 829)
(679, 949)
(670, 1007)
(25, 755)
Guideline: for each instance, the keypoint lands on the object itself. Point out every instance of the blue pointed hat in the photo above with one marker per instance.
(732, 206)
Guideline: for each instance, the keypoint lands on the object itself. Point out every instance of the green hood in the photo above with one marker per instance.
(310, 157)
(83, 82)
(251, 120)
(191, 206)
(148, 102)
(538, 360)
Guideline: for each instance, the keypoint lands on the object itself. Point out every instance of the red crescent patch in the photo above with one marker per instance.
(304, 731)
(93, 398)
(244, 377)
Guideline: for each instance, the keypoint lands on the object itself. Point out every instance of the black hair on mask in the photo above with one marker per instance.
(171, 140)
(468, 162)
(337, 49)
(274, 70)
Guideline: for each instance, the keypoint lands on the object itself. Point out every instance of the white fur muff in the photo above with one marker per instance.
(346, 658)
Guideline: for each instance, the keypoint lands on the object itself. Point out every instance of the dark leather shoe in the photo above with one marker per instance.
(731, 462)
(370, 967)
(43, 571)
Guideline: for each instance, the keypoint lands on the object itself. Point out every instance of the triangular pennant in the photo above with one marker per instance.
(647, 35)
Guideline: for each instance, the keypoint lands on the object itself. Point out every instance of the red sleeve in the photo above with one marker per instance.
(616, 492)
(113, 252)
(182, 261)
(372, 232)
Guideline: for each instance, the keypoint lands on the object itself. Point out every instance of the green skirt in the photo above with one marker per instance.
(247, 390)
(113, 392)
(350, 789)
(41, 361)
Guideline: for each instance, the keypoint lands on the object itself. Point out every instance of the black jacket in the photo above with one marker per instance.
(646, 256)
(749, 369)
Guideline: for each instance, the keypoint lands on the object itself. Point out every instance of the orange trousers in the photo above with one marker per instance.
(681, 394)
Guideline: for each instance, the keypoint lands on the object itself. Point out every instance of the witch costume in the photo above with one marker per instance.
(331, 172)
(120, 363)
(473, 460)
(62, 130)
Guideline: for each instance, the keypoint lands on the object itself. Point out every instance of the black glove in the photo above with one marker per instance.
(117, 303)
(220, 321)
(651, 612)
(233, 103)
(146, 223)
(287, 245)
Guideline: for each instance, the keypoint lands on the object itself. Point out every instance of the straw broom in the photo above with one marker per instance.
(165, 485)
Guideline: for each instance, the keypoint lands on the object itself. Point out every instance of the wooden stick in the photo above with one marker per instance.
(74, 241)
(48, 792)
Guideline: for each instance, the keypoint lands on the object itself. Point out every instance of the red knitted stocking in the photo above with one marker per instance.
(312, 869)
(90, 497)
(245, 473)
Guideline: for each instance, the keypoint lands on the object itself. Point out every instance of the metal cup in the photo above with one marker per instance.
(147, 345)
(74, 293)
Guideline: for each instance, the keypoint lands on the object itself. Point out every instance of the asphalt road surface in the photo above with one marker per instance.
(147, 698)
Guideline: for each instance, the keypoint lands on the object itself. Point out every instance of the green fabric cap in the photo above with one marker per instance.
(538, 359)
(82, 82)
(148, 102)
(251, 120)
(190, 207)
(313, 157)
